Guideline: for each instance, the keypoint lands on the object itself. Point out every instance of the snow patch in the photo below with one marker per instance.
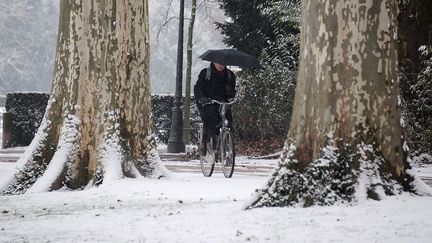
(34, 146)
(65, 152)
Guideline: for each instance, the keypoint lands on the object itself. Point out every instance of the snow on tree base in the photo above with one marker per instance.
(345, 174)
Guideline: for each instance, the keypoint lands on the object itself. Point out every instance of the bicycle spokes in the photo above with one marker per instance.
(207, 161)
(224, 151)
(227, 153)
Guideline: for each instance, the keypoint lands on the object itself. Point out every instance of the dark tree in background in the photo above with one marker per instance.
(415, 60)
(255, 23)
(284, 16)
(269, 30)
(247, 29)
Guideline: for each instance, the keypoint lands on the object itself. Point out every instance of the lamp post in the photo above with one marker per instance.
(175, 141)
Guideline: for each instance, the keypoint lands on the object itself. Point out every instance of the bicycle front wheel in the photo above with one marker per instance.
(207, 161)
(227, 156)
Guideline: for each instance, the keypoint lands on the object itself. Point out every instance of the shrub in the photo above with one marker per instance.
(27, 111)
(421, 107)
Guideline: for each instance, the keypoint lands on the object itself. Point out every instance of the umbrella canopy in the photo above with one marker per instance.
(230, 57)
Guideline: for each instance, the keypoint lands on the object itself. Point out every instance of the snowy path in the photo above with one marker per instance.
(244, 165)
(192, 208)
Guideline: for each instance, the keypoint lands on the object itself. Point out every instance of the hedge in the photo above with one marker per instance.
(27, 110)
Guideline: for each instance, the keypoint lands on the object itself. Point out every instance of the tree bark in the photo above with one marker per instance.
(187, 100)
(97, 126)
(345, 140)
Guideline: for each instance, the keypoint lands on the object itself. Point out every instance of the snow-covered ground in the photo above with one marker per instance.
(191, 208)
(2, 110)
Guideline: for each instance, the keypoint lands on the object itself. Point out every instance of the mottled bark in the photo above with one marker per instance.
(346, 119)
(348, 77)
(97, 126)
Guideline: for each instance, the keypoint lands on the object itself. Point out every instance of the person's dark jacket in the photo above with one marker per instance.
(217, 87)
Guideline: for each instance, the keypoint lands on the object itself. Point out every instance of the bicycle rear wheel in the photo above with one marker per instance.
(207, 162)
(227, 151)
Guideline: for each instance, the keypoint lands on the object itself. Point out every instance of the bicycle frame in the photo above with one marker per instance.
(226, 153)
(224, 120)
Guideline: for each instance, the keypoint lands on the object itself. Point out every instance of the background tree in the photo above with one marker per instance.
(97, 126)
(163, 19)
(418, 112)
(26, 60)
(28, 32)
(266, 95)
(246, 23)
(187, 98)
(415, 37)
(189, 63)
(345, 141)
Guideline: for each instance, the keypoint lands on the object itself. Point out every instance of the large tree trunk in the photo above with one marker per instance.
(345, 140)
(97, 126)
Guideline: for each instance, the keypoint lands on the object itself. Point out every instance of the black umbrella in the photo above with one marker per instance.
(230, 57)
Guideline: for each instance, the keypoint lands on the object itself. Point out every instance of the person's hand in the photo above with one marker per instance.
(204, 100)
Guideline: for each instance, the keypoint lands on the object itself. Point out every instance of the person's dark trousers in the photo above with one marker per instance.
(211, 118)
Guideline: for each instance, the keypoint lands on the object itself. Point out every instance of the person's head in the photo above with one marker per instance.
(218, 66)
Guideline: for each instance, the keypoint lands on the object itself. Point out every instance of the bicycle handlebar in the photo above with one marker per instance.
(221, 103)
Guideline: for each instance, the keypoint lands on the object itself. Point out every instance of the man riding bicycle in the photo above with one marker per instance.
(214, 83)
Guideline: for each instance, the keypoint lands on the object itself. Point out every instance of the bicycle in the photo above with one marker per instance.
(224, 146)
